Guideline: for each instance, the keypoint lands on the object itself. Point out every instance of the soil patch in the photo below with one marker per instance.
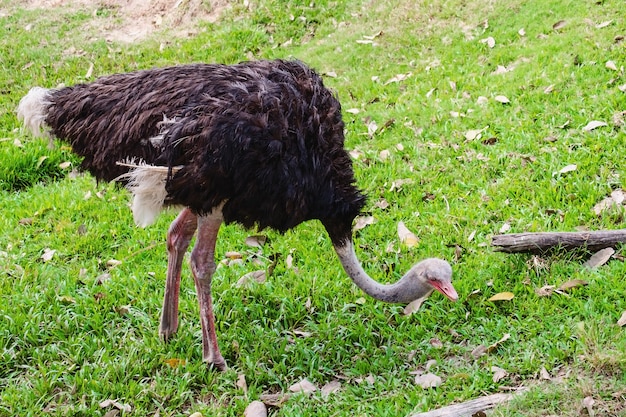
(132, 20)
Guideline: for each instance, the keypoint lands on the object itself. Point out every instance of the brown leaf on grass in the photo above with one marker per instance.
(588, 403)
(481, 350)
(603, 24)
(502, 296)
(572, 283)
(255, 409)
(175, 362)
(233, 255)
(559, 25)
(384, 154)
(616, 199)
(611, 65)
(406, 236)
(622, 320)
(398, 78)
(256, 241)
(241, 383)
(414, 305)
(594, 124)
(473, 134)
(330, 388)
(436, 343)
(304, 386)
(428, 380)
(398, 184)
(362, 222)
(498, 374)
(521, 32)
(48, 254)
(545, 291)
(490, 41)
(568, 168)
(599, 258)
(254, 276)
(114, 403)
(275, 400)
(382, 204)
(502, 99)
(544, 374)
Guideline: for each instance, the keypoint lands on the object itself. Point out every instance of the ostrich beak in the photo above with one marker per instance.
(446, 289)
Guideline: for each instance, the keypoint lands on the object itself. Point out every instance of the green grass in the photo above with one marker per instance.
(70, 339)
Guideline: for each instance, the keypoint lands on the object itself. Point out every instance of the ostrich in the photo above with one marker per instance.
(258, 143)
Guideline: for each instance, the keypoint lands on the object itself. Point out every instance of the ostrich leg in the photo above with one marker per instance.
(203, 266)
(178, 237)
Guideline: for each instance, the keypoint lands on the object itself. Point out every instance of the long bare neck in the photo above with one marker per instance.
(403, 291)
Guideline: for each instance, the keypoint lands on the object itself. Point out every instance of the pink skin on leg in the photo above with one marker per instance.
(178, 237)
(203, 266)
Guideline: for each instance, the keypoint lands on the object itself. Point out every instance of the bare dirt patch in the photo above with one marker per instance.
(132, 20)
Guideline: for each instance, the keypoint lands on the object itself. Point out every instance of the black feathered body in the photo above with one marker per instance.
(264, 138)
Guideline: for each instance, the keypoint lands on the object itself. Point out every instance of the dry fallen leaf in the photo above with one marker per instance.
(494, 346)
(545, 291)
(473, 134)
(521, 32)
(603, 24)
(572, 283)
(594, 124)
(256, 241)
(406, 236)
(362, 222)
(175, 362)
(48, 254)
(428, 380)
(559, 25)
(502, 99)
(414, 305)
(568, 168)
(353, 111)
(304, 386)
(372, 127)
(255, 409)
(498, 374)
(622, 320)
(114, 403)
(398, 184)
(490, 41)
(502, 296)
(275, 400)
(505, 228)
(258, 276)
(384, 154)
(330, 388)
(398, 78)
(544, 374)
(241, 383)
(588, 403)
(611, 65)
(599, 258)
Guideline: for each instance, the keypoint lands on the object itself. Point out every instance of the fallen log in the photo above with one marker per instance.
(541, 242)
(469, 408)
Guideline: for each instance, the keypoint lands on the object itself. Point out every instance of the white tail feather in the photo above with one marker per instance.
(33, 110)
(147, 184)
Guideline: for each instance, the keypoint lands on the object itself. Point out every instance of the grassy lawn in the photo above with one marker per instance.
(461, 117)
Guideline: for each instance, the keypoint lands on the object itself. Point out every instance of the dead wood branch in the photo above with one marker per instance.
(469, 408)
(542, 242)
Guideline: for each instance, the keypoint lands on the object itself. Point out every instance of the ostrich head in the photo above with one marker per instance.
(436, 273)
